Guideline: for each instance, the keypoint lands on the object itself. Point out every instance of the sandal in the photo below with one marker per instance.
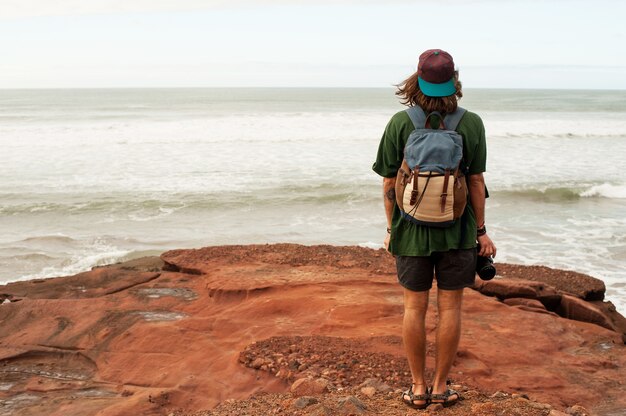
(444, 397)
(412, 397)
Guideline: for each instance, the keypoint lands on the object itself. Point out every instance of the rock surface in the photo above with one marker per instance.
(235, 326)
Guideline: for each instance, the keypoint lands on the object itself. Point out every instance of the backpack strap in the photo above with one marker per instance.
(417, 115)
(452, 120)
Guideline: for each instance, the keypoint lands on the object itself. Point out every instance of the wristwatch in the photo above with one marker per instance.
(481, 231)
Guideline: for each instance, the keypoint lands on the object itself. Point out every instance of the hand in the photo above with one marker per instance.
(386, 243)
(487, 248)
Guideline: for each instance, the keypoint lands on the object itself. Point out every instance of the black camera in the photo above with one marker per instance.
(485, 268)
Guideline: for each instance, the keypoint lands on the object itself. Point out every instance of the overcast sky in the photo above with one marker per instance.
(187, 43)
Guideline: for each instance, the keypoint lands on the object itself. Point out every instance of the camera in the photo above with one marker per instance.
(485, 268)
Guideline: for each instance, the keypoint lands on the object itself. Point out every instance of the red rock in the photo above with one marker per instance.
(351, 406)
(531, 303)
(113, 349)
(575, 308)
(310, 386)
(617, 320)
(577, 284)
(368, 391)
(516, 288)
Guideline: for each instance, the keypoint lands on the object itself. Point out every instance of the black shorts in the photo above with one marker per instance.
(454, 269)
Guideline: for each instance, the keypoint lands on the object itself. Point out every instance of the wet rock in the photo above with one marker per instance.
(155, 316)
(160, 292)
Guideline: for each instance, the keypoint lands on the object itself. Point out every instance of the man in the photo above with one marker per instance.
(422, 251)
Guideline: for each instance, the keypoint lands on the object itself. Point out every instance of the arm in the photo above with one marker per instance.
(389, 192)
(477, 198)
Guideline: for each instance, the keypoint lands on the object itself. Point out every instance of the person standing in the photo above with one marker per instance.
(422, 251)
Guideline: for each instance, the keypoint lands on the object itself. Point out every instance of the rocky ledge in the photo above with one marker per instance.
(298, 330)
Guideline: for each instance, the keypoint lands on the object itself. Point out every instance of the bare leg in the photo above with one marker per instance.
(414, 335)
(448, 335)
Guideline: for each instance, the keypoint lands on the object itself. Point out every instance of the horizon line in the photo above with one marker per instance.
(292, 87)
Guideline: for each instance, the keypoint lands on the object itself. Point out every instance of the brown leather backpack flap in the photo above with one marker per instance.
(460, 194)
(403, 178)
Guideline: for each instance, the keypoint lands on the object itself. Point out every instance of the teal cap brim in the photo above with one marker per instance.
(436, 90)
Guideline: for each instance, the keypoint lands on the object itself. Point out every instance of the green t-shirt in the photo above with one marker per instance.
(407, 238)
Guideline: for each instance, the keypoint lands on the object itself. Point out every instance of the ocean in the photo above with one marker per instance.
(90, 177)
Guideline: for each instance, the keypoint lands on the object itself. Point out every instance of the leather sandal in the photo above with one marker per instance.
(412, 397)
(444, 397)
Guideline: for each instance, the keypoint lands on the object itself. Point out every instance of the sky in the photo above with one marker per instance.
(305, 43)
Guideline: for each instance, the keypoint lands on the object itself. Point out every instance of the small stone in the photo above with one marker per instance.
(368, 391)
(320, 410)
(309, 386)
(376, 384)
(304, 401)
(556, 413)
(257, 363)
(577, 410)
(541, 406)
(351, 406)
(519, 396)
(435, 407)
(499, 395)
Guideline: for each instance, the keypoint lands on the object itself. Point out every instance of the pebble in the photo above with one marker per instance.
(351, 405)
(257, 363)
(577, 410)
(304, 401)
(435, 407)
(542, 406)
(368, 391)
(520, 396)
(499, 395)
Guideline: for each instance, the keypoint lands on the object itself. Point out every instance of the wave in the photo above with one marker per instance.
(605, 190)
(152, 207)
(555, 135)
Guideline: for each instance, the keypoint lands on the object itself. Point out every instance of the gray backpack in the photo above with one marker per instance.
(430, 185)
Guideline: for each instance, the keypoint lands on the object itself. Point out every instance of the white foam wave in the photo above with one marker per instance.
(96, 254)
(605, 190)
(370, 244)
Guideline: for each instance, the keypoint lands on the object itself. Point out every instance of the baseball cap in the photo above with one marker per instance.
(435, 73)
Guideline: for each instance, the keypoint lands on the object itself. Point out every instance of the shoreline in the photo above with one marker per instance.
(154, 335)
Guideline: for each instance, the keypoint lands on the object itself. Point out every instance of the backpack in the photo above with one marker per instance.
(430, 184)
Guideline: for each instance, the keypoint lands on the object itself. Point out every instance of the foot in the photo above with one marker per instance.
(416, 396)
(445, 396)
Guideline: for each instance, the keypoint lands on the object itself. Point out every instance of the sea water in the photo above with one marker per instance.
(90, 177)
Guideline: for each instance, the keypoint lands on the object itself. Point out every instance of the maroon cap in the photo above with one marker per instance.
(435, 66)
(435, 73)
